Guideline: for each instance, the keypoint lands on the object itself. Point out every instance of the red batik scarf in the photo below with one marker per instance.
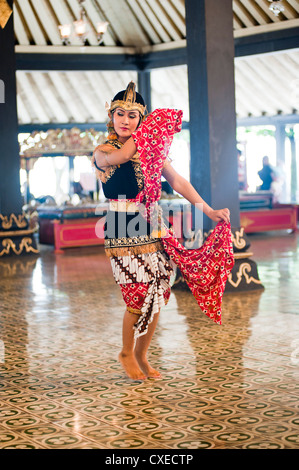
(206, 269)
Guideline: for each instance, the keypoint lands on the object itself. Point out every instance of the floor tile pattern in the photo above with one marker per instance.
(231, 386)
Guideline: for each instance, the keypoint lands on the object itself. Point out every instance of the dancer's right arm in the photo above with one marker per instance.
(185, 188)
(105, 155)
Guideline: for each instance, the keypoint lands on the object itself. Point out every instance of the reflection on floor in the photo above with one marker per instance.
(229, 386)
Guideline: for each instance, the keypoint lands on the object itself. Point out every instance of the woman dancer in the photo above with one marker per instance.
(142, 259)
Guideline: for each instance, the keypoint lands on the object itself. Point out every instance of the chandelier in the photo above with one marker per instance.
(276, 7)
(80, 28)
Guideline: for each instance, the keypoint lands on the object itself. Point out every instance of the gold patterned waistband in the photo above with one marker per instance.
(123, 206)
(135, 245)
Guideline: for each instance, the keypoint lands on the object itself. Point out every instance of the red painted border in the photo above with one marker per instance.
(270, 219)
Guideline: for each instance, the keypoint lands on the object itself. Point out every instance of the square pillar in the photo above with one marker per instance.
(16, 234)
(210, 61)
(144, 88)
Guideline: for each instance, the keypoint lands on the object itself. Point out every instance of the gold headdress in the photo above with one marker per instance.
(129, 101)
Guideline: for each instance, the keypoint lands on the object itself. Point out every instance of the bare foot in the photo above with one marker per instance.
(130, 365)
(148, 369)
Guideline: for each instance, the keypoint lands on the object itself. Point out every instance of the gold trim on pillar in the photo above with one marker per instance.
(19, 219)
(8, 244)
(244, 267)
(237, 239)
(241, 255)
(5, 12)
(18, 233)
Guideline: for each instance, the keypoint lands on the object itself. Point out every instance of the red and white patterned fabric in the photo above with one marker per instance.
(205, 270)
(153, 140)
(145, 282)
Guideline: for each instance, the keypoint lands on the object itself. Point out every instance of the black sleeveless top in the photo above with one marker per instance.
(124, 229)
(122, 181)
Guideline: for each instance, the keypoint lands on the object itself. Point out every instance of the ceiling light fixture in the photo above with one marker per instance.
(80, 28)
(276, 7)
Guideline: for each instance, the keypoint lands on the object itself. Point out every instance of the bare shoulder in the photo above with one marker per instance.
(107, 147)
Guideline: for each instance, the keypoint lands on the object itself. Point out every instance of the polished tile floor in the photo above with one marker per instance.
(229, 386)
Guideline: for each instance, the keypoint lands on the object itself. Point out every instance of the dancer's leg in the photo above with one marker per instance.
(126, 356)
(141, 348)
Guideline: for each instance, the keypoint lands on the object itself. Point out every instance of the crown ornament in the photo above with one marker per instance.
(128, 103)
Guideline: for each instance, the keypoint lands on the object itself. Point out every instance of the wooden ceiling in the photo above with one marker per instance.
(136, 23)
(266, 84)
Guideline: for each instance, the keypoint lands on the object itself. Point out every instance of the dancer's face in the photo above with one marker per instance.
(125, 122)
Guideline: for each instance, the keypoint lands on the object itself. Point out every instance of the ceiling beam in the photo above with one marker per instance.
(28, 128)
(263, 43)
(160, 59)
(97, 126)
(102, 126)
(30, 18)
(27, 88)
(74, 61)
(148, 27)
(268, 120)
(102, 58)
(70, 96)
(20, 30)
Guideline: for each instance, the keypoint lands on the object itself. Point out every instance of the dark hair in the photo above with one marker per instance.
(120, 96)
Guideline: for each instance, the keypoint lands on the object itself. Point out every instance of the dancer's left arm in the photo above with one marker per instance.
(183, 187)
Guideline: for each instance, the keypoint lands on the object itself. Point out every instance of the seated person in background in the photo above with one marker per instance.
(266, 174)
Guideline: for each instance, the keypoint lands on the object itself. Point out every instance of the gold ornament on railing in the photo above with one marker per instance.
(5, 12)
(66, 142)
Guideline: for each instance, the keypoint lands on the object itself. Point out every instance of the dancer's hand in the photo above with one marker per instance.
(218, 215)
